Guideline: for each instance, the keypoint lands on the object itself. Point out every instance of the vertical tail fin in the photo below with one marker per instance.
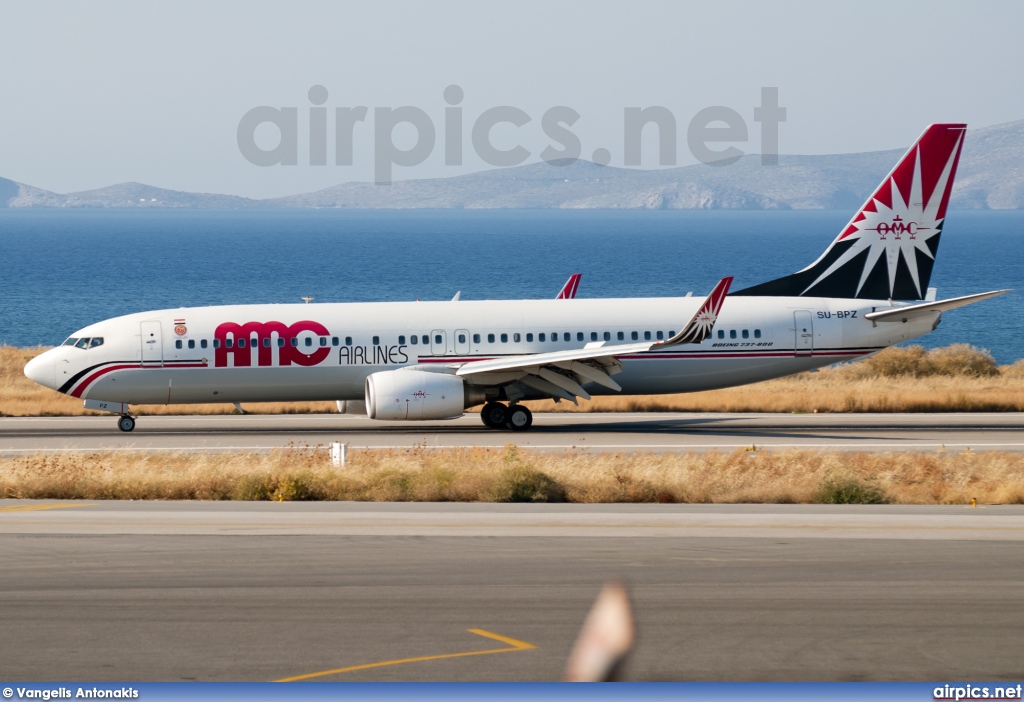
(568, 291)
(888, 249)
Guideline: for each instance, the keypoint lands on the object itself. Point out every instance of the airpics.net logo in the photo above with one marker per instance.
(959, 692)
(711, 134)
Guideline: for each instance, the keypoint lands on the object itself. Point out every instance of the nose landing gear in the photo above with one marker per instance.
(126, 422)
(495, 415)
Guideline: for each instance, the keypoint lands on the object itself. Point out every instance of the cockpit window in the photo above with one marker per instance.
(71, 341)
(85, 342)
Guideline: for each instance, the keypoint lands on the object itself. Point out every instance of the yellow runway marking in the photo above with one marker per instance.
(513, 645)
(37, 508)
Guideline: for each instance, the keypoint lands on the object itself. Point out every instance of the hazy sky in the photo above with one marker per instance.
(105, 92)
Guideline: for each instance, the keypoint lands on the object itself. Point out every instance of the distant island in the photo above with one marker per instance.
(991, 176)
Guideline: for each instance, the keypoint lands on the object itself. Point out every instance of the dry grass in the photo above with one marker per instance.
(958, 378)
(515, 475)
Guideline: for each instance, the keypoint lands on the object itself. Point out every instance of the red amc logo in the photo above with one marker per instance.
(236, 340)
(897, 227)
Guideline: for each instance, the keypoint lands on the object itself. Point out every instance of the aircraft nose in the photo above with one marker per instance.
(43, 370)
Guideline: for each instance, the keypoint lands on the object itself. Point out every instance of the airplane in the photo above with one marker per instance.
(568, 291)
(433, 360)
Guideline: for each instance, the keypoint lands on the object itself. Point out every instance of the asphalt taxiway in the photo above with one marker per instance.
(346, 591)
(552, 431)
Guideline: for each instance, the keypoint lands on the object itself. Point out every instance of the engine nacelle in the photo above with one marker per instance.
(413, 394)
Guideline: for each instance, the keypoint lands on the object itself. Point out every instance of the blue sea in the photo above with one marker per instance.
(63, 269)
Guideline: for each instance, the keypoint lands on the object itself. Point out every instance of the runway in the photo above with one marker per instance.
(357, 591)
(554, 431)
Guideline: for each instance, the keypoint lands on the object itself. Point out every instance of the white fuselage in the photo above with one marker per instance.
(326, 351)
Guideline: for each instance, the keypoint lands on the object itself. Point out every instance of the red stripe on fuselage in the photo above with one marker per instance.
(80, 389)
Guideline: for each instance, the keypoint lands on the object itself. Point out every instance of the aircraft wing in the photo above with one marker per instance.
(562, 374)
(902, 314)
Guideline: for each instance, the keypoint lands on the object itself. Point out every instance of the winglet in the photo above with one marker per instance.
(568, 291)
(703, 321)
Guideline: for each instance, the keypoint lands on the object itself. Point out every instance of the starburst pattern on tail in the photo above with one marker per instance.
(888, 249)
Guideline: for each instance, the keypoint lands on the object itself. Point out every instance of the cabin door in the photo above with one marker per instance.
(804, 333)
(152, 344)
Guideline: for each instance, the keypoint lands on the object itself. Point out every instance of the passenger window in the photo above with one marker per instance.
(568, 337)
(660, 335)
(504, 338)
(334, 341)
(529, 336)
(721, 333)
(216, 343)
(323, 341)
(280, 342)
(746, 334)
(490, 338)
(177, 344)
(309, 341)
(376, 341)
(348, 341)
(266, 342)
(294, 342)
(732, 333)
(415, 339)
(476, 338)
(635, 336)
(425, 339)
(401, 339)
(757, 333)
(229, 343)
(516, 337)
(202, 343)
(647, 336)
(540, 337)
(671, 333)
(438, 339)
(241, 343)
(191, 343)
(593, 336)
(607, 336)
(462, 338)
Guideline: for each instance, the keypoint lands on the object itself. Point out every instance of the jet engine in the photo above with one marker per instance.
(414, 394)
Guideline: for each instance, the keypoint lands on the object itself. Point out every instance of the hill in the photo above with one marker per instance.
(991, 176)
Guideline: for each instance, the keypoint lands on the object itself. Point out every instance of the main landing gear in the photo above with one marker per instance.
(498, 416)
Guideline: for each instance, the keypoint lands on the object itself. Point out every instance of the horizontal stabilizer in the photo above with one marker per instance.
(903, 314)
